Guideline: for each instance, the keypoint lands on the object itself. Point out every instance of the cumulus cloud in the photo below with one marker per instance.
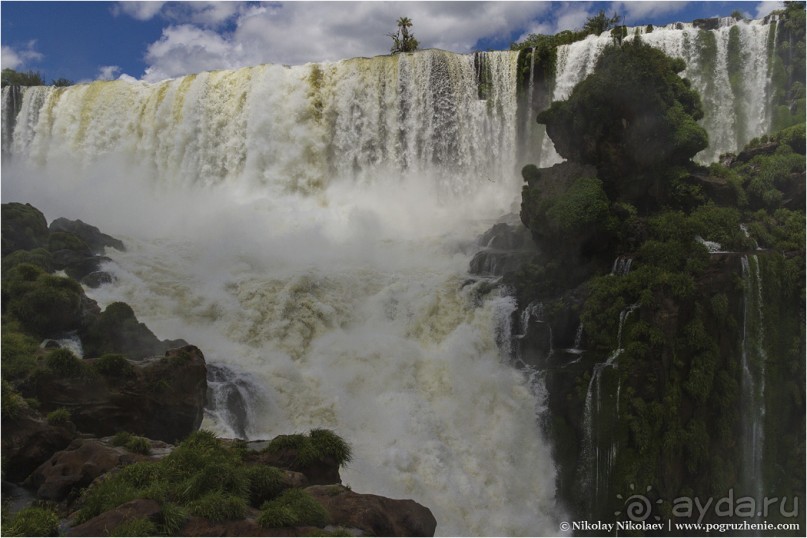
(107, 72)
(19, 58)
(764, 8)
(300, 32)
(141, 11)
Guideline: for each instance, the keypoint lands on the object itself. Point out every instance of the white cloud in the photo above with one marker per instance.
(572, 16)
(107, 72)
(638, 12)
(141, 11)
(764, 8)
(300, 32)
(19, 58)
(204, 13)
(187, 49)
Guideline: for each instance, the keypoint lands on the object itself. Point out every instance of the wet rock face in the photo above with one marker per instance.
(91, 235)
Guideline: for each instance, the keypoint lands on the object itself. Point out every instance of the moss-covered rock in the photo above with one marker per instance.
(24, 228)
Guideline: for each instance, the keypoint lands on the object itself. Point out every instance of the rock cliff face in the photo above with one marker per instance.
(663, 306)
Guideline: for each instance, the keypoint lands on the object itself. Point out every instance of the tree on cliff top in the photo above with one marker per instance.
(633, 118)
(403, 41)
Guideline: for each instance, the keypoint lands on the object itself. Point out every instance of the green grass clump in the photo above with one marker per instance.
(64, 363)
(265, 483)
(105, 495)
(219, 506)
(58, 416)
(293, 508)
(319, 446)
(114, 365)
(13, 402)
(171, 518)
(33, 521)
(18, 353)
(141, 445)
(140, 526)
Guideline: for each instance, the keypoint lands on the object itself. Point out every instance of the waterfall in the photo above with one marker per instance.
(753, 361)
(728, 66)
(599, 449)
(308, 228)
(621, 265)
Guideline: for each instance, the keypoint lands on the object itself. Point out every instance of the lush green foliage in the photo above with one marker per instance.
(64, 363)
(633, 118)
(320, 445)
(33, 521)
(44, 304)
(114, 365)
(293, 508)
(11, 77)
(208, 478)
(13, 402)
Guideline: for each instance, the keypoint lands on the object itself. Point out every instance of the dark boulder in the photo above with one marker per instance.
(117, 330)
(712, 23)
(28, 440)
(104, 524)
(75, 467)
(91, 235)
(374, 515)
(24, 227)
(159, 398)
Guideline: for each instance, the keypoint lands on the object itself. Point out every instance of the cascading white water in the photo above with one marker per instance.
(753, 361)
(735, 112)
(311, 227)
(598, 460)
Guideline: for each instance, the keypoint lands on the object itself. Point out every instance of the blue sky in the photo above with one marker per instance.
(85, 41)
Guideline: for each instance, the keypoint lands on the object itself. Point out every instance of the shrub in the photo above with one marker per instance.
(13, 402)
(59, 416)
(265, 483)
(33, 521)
(141, 445)
(39, 257)
(219, 506)
(293, 508)
(18, 354)
(114, 365)
(106, 494)
(140, 526)
(44, 304)
(318, 446)
(64, 363)
(171, 518)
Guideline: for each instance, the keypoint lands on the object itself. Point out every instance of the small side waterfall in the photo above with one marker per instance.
(753, 360)
(601, 409)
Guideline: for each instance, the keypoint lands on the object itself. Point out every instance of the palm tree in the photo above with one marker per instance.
(403, 41)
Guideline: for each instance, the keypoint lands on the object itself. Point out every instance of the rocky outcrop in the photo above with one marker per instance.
(28, 441)
(505, 248)
(91, 235)
(24, 228)
(378, 516)
(159, 398)
(75, 467)
(103, 524)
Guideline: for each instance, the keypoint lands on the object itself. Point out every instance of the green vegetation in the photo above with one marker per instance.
(140, 526)
(58, 416)
(786, 47)
(319, 446)
(402, 40)
(114, 365)
(634, 119)
(205, 477)
(33, 521)
(11, 77)
(293, 508)
(64, 363)
(43, 304)
(134, 443)
(13, 402)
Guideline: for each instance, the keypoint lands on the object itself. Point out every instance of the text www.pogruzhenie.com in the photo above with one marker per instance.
(673, 527)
